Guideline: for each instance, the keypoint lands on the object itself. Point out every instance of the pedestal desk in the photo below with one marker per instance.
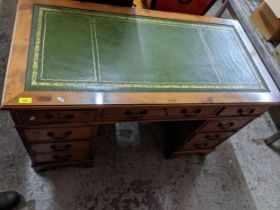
(74, 66)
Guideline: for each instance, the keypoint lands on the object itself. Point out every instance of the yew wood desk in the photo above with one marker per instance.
(75, 65)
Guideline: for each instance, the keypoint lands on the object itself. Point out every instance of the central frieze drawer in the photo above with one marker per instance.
(190, 111)
(132, 114)
(58, 133)
(49, 117)
(60, 147)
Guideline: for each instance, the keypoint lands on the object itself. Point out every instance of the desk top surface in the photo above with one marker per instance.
(88, 50)
(79, 50)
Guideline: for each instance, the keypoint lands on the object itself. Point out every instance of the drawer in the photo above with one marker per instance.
(132, 114)
(180, 153)
(190, 111)
(206, 140)
(223, 125)
(44, 117)
(58, 134)
(242, 111)
(61, 157)
(60, 147)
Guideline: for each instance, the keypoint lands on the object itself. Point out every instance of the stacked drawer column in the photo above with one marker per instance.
(56, 138)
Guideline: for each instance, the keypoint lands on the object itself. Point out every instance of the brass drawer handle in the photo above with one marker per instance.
(245, 112)
(138, 115)
(61, 148)
(226, 125)
(58, 137)
(212, 137)
(62, 157)
(199, 146)
(32, 118)
(185, 112)
(66, 117)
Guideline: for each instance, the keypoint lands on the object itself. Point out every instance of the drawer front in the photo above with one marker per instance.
(183, 112)
(206, 140)
(132, 114)
(60, 147)
(224, 125)
(185, 152)
(58, 134)
(62, 157)
(242, 111)
(45, 117)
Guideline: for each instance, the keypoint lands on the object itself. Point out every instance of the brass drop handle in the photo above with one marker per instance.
(199, 146)
(61, 148)
(184, 1)
(225, 125)
(185, 112)
(32, 118)
(212, 137)
(66, 117)
(138, 115)
(62, 157)
(245, 112)
(60, 136)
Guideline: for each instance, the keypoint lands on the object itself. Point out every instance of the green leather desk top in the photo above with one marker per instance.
(79, 50)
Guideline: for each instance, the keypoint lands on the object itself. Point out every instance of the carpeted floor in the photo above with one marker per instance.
(130, 171)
